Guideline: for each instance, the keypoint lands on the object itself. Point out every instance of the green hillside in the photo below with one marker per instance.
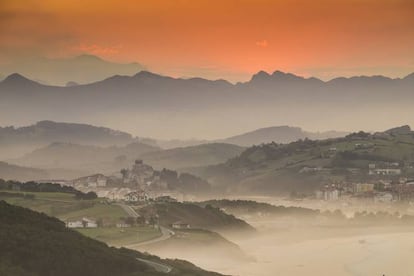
(305, 165)
(207, 217)
(193, 156)
(34, 244)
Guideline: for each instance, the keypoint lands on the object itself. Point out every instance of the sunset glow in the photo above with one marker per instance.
(218, 39)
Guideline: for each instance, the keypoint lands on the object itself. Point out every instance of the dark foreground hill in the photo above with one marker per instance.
(33, 244)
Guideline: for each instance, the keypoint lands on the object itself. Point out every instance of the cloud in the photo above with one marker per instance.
(99, 50)
(262, 43)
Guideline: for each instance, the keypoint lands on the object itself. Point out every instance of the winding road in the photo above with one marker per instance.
(157, 266)
(165, 234)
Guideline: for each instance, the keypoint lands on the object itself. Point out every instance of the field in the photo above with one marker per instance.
(66, 207)
(121, 236)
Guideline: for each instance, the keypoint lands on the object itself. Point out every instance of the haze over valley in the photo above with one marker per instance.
(206, 138)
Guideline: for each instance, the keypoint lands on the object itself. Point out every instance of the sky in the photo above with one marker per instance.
(229, 39)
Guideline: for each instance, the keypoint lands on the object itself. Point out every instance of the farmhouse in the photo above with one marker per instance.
(180, 225)
(137, 196)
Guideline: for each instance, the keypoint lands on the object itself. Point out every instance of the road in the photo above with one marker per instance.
(157, 266)
(129, 210)
(165, 234)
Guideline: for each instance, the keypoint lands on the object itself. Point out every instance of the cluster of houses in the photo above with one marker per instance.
(390, 169)
(380, 191)
(92, 181)
(140, 196)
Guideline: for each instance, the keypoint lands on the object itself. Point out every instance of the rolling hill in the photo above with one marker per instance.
(306, 165)
(35, 244)
(279, 134)
(207, 217)
(87, 159)
(84, 157)
(192, 156)
(14, 172)
(21, 140)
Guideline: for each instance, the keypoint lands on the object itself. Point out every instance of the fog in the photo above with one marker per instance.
(295, 245)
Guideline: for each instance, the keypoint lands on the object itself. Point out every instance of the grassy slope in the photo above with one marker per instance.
(274, 167)
(118, 237)
(193, 156)
(34, 244)
(66, 207)
(197, 216)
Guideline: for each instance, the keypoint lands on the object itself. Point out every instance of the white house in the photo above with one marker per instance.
(88, 223)
(74, 224)
(84, 223)
(137, 196)
(385, 171)
(180, 225)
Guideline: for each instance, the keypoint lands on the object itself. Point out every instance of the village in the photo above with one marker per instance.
(138, 186)
(383, 184)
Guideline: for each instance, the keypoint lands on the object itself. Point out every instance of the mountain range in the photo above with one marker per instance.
(76, 70)
(70, 150)
(161, 106)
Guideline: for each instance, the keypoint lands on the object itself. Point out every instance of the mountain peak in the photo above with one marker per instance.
(147, 74)
(409, 77)
(261, 75)
(17, 79)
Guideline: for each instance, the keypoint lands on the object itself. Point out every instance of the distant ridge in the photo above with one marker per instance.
(151, 103)
(80, 69)
(261, 76)
(279, 134)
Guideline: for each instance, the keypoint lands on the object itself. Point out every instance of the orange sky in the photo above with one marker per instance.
(218, 38)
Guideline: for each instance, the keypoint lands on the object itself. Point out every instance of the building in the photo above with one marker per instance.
(360, 188)
(74, 224)
(88, 223)
(84, 223)
(180, 225)
(122, 225)
(92, 181)
(385, 171)
(328, 194)
(137, 196)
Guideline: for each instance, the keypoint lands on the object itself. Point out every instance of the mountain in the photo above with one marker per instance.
(13, 172)
(86, 159)
(37, 245)
(306, 165)
(79, 69)
(278, 134)
(192, 156)
(162, 106)
(17, 141)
